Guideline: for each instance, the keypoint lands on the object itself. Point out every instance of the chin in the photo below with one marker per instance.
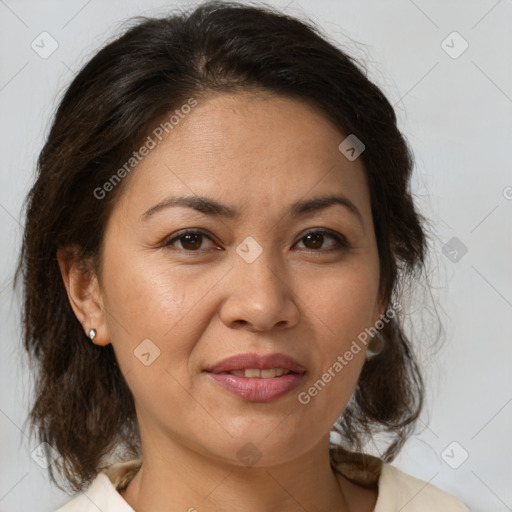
(260, 446)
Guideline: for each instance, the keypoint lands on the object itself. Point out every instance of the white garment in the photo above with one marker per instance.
(398, 492)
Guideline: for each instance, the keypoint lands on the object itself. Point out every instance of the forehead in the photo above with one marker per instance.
(250, 149)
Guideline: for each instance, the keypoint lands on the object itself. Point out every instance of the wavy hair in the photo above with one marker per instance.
(82, 406)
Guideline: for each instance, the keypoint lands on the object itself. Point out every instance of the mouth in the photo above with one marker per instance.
(257, 378)
(256, 373)
(257, 365)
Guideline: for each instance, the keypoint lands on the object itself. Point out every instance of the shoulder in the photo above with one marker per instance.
(102, 494)
(397, 490)
(85, 501)
(401, 491)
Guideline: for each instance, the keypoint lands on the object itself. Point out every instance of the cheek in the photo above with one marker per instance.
(158, 302)
(147, 301)
(345, 308)
(149, 313)
(345, 305)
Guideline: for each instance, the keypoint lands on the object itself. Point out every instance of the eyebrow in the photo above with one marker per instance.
(209, 206)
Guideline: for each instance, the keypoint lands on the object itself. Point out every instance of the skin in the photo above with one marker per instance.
(198, 301)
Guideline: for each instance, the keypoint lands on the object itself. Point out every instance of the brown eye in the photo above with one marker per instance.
(190, 241)
(315, 239)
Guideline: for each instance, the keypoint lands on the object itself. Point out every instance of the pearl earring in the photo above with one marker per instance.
(375, 346)
(92, 334)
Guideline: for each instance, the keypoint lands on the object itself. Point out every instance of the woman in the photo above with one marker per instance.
(214, 246)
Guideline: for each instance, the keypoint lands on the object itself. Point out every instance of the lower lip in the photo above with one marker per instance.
(258, 390)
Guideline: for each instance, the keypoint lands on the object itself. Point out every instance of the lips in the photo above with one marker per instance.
(242, 362)
(257, 378)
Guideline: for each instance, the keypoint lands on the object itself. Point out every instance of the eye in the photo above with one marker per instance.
(315, 239)
(190, 240)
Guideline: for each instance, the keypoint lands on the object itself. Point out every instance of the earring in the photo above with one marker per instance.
(92, 334)
(375, 345)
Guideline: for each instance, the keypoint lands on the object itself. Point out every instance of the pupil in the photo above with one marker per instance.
(195, 245)
(318, 237)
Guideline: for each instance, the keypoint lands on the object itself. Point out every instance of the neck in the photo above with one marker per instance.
(182, 479)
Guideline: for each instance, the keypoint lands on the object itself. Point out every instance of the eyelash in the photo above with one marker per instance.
(341, 240)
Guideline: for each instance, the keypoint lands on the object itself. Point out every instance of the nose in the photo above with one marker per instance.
(260, 298)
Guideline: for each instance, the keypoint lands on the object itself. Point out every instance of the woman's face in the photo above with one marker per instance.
(261, 280)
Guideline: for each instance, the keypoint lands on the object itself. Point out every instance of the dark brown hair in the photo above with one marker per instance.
(83, 407)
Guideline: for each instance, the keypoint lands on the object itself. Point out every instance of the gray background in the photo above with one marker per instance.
(455, 111)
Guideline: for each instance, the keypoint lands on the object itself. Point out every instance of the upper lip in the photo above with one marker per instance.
(258, 361)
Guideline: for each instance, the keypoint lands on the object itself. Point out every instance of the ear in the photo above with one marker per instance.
(84, 293)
